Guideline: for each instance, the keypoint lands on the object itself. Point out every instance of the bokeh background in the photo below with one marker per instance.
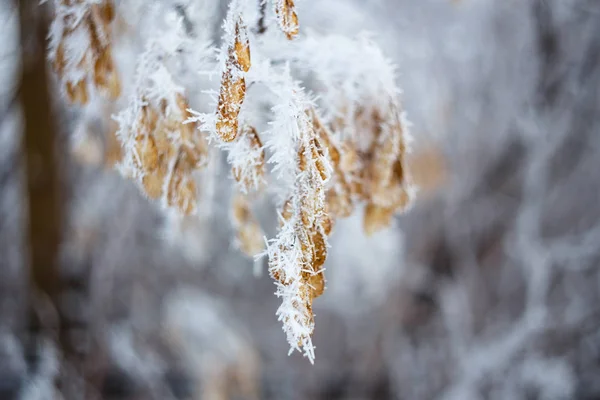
(488, 288)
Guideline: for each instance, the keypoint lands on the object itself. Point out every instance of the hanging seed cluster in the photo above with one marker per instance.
(165, 152)
(297, 255)
(341, 194)
(80, 49)
(249, 235)
(329, 175)
(372, 166)
(312, 219)
(307, 222)
(388, 186)
(331, 179)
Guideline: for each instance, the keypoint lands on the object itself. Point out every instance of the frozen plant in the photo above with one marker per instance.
(320, 147)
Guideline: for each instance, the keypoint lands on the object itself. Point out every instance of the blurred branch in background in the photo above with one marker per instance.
(50, 296)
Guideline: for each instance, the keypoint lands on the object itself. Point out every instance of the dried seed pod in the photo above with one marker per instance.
(153, 182)
(376, 218)
(181, 190)
(319, 249)
(378, 173)
(287, 17)
(162, 152)
(231, 97)
(297, 255)
(327, 223)
(319, 158)
(112, 151)
(369, 167)
(84, 32)
(233, 84)
(339, 196)
(148, 118)
(105, 75)
(389, 182)
(77, 92)
(241, 47)
(339, 203)
(316, 283)
(249, 169)
(148, 152)
(314, 253)
(350, 159)
(59, 62)
(105, 10)
(248, 232)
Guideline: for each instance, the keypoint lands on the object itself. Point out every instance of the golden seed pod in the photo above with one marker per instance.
(233, 85)
(376, 218)
(389, 180)
(257, 164)
(152, 181)
(182, 191)
(319, 159)
(241, 47)
(248, 231)
(231, 97)
(319, 249)
(166, 152)
(288, 19)
(59, 59)
(148, 152)
(350, 158)
(317, 285)
(339, 196)
(148, 119)
(379, 175)
(327, 224)
(105, 10)
(113, 152)
(339, 201)
(312, 220)
(105, 75)
(77, 93)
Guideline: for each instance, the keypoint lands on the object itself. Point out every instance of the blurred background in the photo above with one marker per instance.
(488, 288)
